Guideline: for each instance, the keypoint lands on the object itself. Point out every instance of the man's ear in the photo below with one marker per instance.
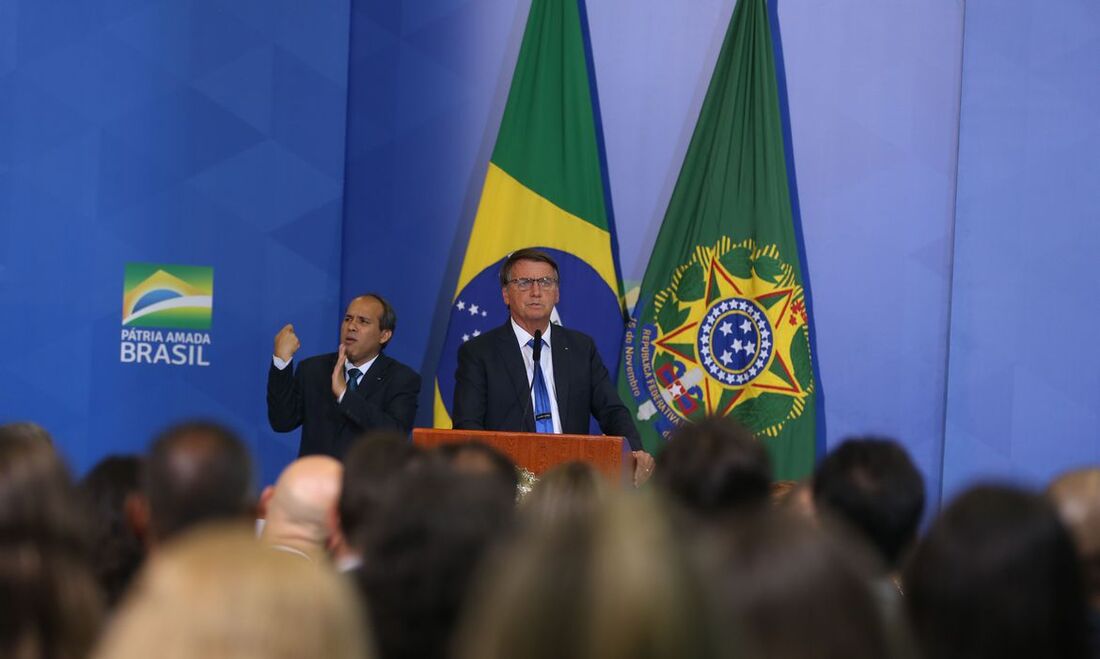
(265, 499)
(385, 336)
(136, 510)
(335, 531)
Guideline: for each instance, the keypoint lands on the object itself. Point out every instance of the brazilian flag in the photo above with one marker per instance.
(722, 325)
(545, 189)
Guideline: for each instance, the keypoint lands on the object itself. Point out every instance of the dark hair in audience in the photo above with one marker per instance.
(872, 484)
(117, 551)
(480, 459)
(50, 606)
(714, 467)
(996, 577)
(372, 466)
(525, 254)
(430, 534)
(774, 569)
(196, 472)
(388, 320)
(568, 491)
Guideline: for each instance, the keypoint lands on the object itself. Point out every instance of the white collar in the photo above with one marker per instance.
(348, 366)
(523, 337)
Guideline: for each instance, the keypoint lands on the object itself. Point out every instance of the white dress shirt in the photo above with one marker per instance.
(361, 370)
(546, 361)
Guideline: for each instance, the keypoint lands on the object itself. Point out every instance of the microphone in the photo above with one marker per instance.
(536, 353)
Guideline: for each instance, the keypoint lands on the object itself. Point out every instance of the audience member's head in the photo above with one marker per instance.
(428, 538)
(1076, 494)
(196, 472)
(614, 584)
(117, 551)
(50, 604)
(219, 594)
(26, 430)
(799, 589)
(714, 467)
(301, 507)
(872, 485)
(479, 459)
(570, 490)
(372, 466)
(996, 577)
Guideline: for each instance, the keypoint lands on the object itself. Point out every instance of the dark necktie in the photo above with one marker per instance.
(544, 419)
(353, 378)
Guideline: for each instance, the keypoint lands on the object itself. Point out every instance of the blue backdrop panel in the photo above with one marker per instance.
(873, 93)
(1025, 364)
(428, 83)
(224, 135)
(175, 133)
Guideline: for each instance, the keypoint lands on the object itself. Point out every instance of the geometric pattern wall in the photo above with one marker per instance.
(194, 133)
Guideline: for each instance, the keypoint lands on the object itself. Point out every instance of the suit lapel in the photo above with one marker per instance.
(372, 379)
(559, 351)
(517, 372)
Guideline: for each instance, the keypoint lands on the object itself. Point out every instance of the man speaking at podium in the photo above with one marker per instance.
(338, 396)
(500, 386)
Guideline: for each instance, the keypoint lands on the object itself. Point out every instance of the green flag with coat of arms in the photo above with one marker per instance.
(721, 326)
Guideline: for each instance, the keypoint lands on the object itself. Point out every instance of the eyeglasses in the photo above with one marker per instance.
(545, 283)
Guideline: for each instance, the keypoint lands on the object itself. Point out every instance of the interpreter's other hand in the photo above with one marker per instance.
(286, 343)
(338, 383)
(643, 467)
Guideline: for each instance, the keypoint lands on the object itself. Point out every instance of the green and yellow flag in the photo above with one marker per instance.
(721, 326)
(544, 188)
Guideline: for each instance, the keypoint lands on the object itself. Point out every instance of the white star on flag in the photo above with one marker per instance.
(473, 309)
(725, 328)
(461, 305)
(726, 357)
(465, 337)
(746, 327)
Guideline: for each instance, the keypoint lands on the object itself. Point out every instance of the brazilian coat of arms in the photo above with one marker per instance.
(727, 336)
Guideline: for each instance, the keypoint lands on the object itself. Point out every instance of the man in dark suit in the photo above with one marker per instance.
(499, 386)
(338, 396)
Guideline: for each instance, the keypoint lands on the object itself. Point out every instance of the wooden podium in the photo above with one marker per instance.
(538, 452)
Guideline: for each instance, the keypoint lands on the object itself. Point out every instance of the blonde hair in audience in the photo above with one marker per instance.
(567, 490)
(217, 593)
(613, 584)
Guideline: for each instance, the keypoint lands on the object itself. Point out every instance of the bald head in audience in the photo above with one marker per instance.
(1076, 494)
(301, 507)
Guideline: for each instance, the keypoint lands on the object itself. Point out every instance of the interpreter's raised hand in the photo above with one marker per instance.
(286, 343)
(339, 386)
(643, 467)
